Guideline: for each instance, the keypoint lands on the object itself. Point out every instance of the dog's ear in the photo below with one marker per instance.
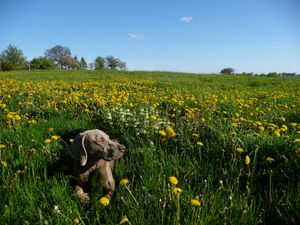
(78, 150)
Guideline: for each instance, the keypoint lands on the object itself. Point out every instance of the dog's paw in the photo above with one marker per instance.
(84, 198)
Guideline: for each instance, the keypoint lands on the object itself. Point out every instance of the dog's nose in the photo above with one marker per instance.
(121, 148)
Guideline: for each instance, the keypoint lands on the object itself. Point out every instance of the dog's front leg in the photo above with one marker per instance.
(106, 178)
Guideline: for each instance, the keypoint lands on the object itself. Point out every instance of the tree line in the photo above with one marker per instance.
(57, 57)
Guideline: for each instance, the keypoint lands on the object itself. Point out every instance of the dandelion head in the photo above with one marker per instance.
(173, 180)
(76, 221)
(270, 159)
(199, 143)
(195, 202)
(104, 201)
(239, 150)
(124, 182)
(176, 190)
(124, 219)
(162, 133)
(47, 141)
(247, 160)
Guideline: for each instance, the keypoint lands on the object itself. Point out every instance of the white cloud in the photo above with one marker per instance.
(136, 36)
(186, 19)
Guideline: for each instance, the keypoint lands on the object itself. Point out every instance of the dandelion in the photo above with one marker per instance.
(51, 129)
(195, 202)
(153, 118)
(47, 141)
(162, 133)
(33, 122)
(55, 137)
(76, 221)
(104, 201)
(2, 146)
(173, 180)
(297, 141)
(176, 190)
(124, 219)
(277, 133)
(284, 128)
(171, 132)
(196, 135)
(71, 140)
(199, 143)
(294, 125)
(234, 125)
(282, 119)
(4, 163)
(247, 160)
(124, 182)
(270, 160)
(239, 150)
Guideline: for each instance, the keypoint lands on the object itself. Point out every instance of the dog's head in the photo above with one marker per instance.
(93, 145)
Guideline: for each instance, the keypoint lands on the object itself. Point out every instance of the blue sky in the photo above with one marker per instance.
(200, 36)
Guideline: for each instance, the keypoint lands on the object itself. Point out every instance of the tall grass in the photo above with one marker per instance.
(198, 128)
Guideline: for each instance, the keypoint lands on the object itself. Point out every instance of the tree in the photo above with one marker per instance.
(12, 58)
(68, 62)
(122, 66)
(83, 64)
(57, 54)
(41, 63)
(227, 70)
(112, 62)
(99, 63)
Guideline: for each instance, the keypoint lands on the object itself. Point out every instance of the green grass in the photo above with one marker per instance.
(224, 111)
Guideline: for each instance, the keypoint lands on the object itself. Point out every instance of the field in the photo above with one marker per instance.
(202, 149)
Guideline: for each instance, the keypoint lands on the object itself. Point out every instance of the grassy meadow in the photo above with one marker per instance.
(202, 149)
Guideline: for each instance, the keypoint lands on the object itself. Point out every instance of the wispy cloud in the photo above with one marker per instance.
(186, 19)
(136, 36)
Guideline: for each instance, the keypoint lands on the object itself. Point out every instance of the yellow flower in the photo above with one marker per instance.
(76, 221)
(270, 160)
(173, 180)
(123, 182)
(283, 128)
(199, 143)
(47, 141)
(51, 129)
(124, 220)
(195, 135)
(2, 146)
(162, 133)
(104, 201)
(247, 160)
(234, 125)
(195, 202)
(282, 119)
(4, 163)
(71, 140)
(171, 132)
(297, 141)
(277, 133)
(153, 117)
(294, 125)
(239, 150)
(55, 137)
(33, 122)
(177, 190)
(298, 152)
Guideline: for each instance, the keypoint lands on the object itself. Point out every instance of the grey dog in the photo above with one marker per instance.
(93, 150)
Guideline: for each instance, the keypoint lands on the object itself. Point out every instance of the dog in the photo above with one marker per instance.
(93, 150)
